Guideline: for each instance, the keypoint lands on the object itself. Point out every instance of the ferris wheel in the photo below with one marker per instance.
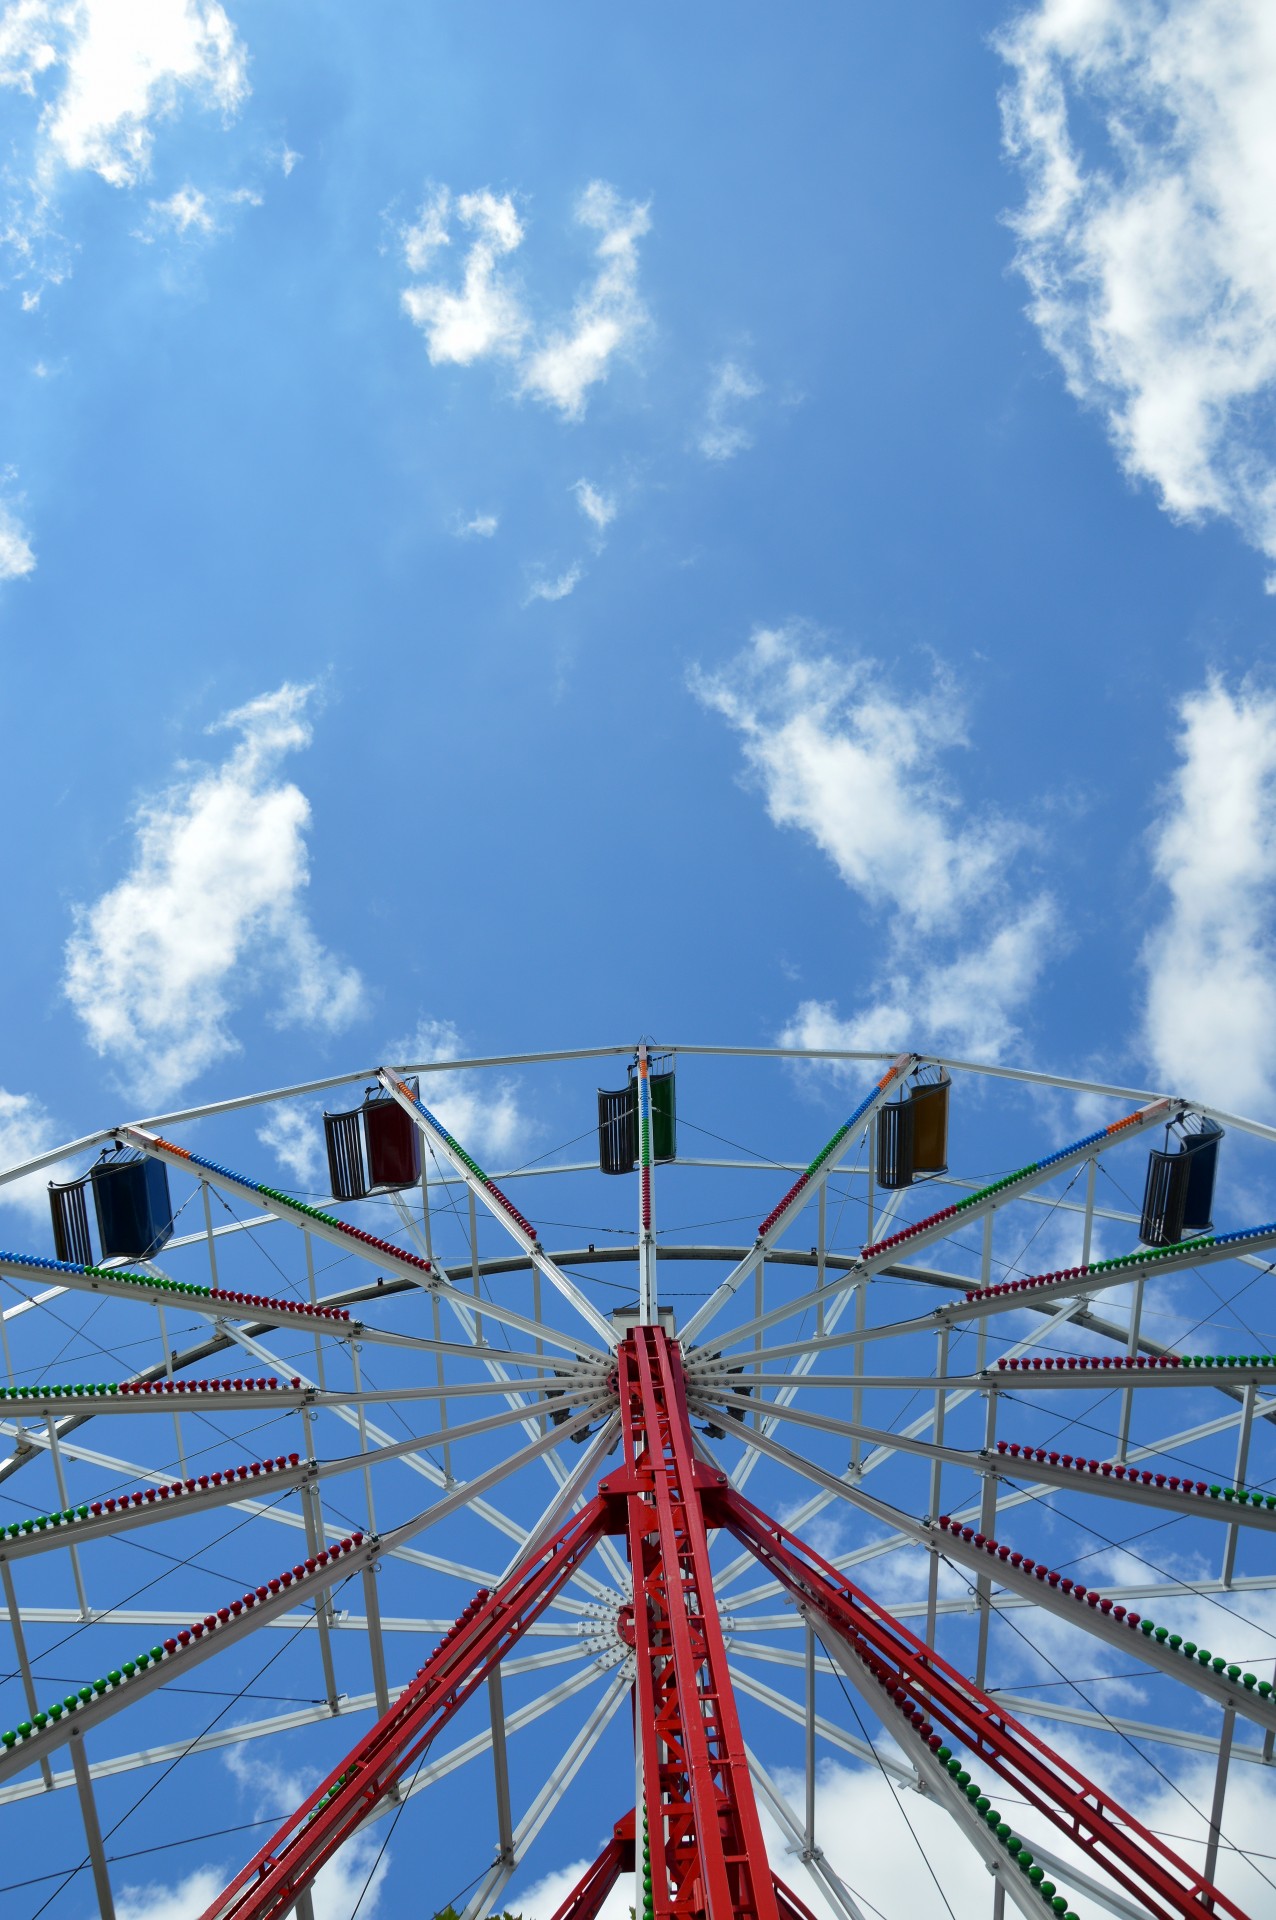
(531, 1488)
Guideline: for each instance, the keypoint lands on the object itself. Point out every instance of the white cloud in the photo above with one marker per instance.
(212, 902)
(292, 1134)
(1148, 140)
(288, 159)
(842, 757)
(25, 1130)
(892, 1875)
(101, 78)
(606, 318)
(189, 213)
(337, 1887)
(967, 1004)
(599, 508)
(1209, 1021)
(556, 589)
(482, 1111)
(186, 209)
(481, 527)
(186, 1901)
(16, 555)
(723, 434)
(486, 316)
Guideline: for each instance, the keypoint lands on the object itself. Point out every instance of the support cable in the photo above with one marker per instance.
(890, 1785)
(1111, 1725)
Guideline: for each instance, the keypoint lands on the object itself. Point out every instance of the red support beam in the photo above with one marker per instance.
(790, 1906)
(490, 1626)
(585, 1901)
(931, 1694)
(707, 1857)
(703, 1832)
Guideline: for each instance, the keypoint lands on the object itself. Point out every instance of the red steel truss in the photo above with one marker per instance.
(707, 1854)
(585, 1901)
(926, 1691)
(707, 1858)
(791, 1907)
(490, 1626)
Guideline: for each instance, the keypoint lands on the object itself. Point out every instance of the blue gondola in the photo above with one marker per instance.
(134, 1212)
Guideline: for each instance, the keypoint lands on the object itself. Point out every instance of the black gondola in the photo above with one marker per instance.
(912, 1132)
(1178, 1195)
(618, 1121)
(71, 1221)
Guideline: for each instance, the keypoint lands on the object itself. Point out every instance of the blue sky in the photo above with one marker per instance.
(522, 527)
(812, 404)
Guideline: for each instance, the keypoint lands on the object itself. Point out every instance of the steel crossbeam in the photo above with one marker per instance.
(490, 1626)
(916, 1687)
(704, 1834)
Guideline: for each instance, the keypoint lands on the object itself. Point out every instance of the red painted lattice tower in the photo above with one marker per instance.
(704, 1836)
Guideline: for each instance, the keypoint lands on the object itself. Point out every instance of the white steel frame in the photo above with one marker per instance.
(731, 1370)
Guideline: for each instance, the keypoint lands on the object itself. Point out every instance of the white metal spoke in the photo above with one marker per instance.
(472, 1749)
(1024, 1706)
(466, 1318)
(481, 1187)
(990, 1463)
(260, 1510)
(851, 1134)
(568, 1496)
(789, 1709)
(802, 1367)
(284, 1479)
(977, 1205)
(380, 1253)
(1160, 1448)
(1014, 1703)
(347, 1704)
(903, 1776)
(307, 1585)
(1215, 1685)
(560, 1778)
(413, 1459)
(931, 1774)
